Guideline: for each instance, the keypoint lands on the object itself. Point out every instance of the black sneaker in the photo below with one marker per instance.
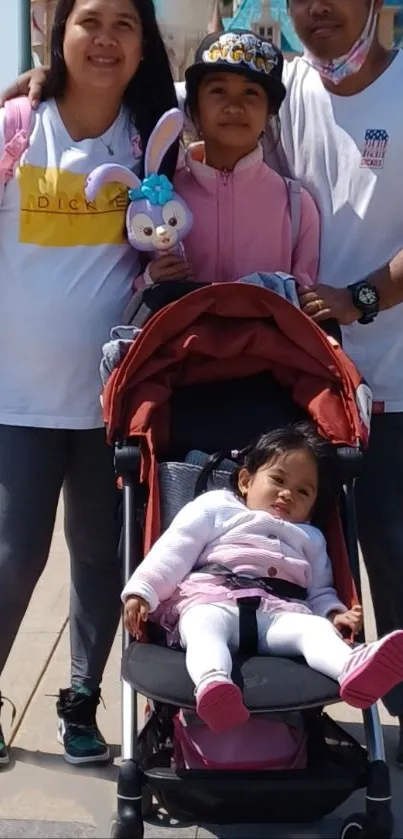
(4, 753)
(77, 728)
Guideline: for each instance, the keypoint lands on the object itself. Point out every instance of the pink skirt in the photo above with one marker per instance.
(194, 591)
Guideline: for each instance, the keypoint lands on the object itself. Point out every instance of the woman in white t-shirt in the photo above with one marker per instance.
(66, 273)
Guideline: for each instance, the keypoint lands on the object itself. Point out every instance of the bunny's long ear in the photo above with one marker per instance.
(165, 133)
(109, 173)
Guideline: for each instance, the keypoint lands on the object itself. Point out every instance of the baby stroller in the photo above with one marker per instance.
(211, 371)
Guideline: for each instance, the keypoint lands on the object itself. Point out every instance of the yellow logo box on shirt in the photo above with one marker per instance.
(55, 213)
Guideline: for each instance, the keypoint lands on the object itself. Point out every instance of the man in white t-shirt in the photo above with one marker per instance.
(342, 134)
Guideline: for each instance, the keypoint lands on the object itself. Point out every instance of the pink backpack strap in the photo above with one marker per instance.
(17, 129)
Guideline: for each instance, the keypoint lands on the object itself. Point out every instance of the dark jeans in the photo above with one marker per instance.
(379, 496)
(35, 464)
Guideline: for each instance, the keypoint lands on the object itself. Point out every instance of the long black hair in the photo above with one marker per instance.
(296, 437)
(150, 92)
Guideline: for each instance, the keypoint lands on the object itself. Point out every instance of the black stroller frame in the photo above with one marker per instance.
(339, 767)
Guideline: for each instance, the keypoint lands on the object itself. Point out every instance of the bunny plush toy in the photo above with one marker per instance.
(157, 219)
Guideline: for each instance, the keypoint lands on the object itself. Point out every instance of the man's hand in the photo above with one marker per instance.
(135, 613)
(169, 267)
(28, 84)
(323, 302)
(353, 619)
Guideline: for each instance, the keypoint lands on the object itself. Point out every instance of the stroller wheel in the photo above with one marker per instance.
(361, 826)
(355, 827)
(128, 822)
(127, 826)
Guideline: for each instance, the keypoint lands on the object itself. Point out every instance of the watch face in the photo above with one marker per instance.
(367, 296)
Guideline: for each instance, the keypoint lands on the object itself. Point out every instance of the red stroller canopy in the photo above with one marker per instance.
(228, 331)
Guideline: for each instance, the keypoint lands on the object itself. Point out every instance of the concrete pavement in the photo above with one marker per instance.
(40, 795)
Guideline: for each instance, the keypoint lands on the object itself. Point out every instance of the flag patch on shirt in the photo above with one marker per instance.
(54, 211)
(375, 148)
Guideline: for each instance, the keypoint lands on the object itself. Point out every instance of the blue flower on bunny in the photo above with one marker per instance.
(157, 219)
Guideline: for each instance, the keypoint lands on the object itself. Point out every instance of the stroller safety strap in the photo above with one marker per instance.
(279, 588)
(248, 634)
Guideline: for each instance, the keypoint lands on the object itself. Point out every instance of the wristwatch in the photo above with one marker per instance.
(366, 299)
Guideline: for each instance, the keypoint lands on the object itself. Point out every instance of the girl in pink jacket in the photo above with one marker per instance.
(241, 208)
(257, 541)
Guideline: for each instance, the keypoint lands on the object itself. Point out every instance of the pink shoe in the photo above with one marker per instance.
(220, 706)
(372, 671)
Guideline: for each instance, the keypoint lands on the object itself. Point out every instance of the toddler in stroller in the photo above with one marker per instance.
(211, 372)
(225, 547)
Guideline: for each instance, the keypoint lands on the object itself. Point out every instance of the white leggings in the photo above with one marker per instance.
(210, 632)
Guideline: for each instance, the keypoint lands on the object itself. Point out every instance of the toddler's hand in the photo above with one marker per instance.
(169, 267)
(135, 613)
(353, 619)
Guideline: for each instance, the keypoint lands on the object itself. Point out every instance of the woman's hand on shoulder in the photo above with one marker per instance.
(28, 84)
(168, 268)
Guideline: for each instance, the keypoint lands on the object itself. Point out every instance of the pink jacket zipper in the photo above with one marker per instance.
(225, 233)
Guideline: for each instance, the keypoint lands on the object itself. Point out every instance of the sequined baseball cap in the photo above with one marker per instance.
(242, 52)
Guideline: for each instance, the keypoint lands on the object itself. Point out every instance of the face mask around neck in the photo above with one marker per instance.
(338, 69)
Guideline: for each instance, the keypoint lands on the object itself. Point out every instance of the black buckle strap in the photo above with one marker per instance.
(248, 633)
(272, 585)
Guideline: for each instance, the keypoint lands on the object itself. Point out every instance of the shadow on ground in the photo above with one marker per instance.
(55, 762)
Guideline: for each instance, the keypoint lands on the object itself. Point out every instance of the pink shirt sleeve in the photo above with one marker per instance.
(174, 554)
(305, 262)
